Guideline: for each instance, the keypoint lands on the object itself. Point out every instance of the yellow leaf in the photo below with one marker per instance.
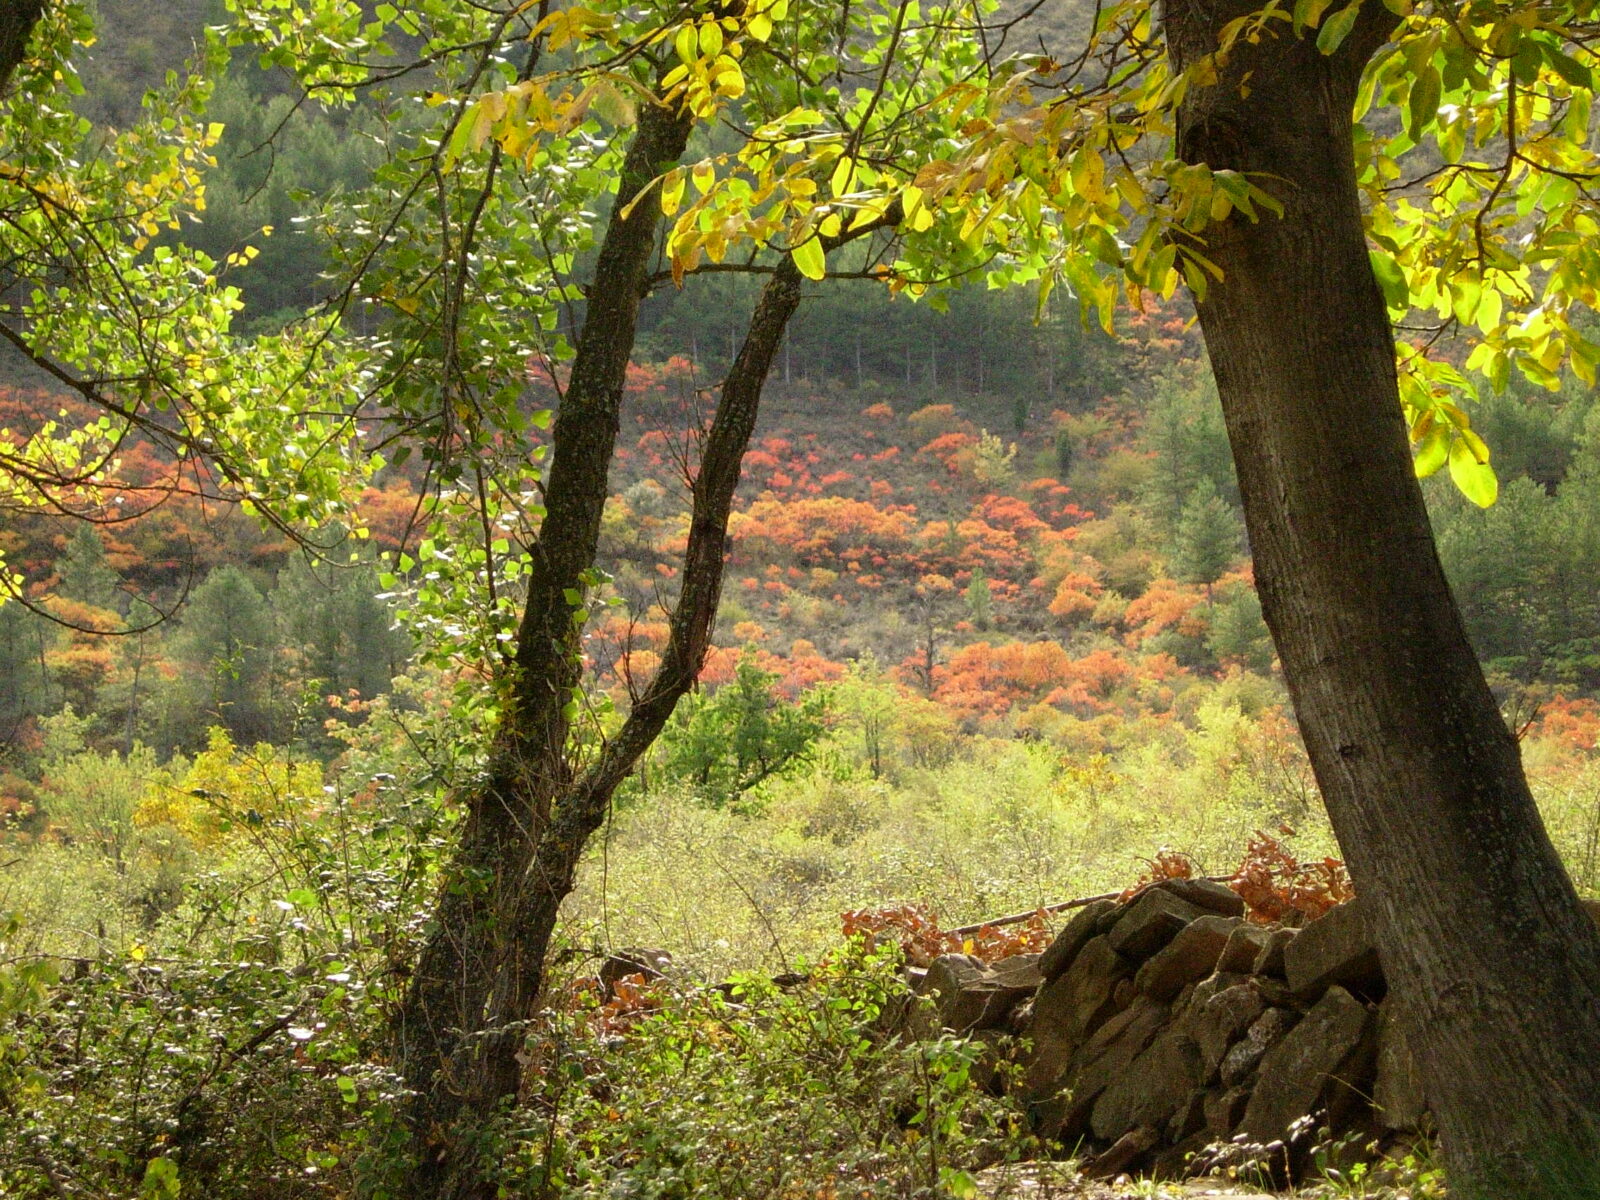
(810, 258)
(1089, 175)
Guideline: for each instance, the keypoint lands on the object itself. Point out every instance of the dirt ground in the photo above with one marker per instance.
(1059, 1181)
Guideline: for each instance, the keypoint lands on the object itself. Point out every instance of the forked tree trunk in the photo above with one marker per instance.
(451, 1042)
(1482, 936)
(481, 974)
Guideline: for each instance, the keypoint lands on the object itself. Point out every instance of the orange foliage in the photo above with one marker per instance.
(1165, 605)
(1572, 722)
(1275, 885)
(921, 940)
(818, 531)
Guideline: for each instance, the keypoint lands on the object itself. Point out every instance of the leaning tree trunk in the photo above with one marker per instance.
(447, 1042)
(1482, 936)
(481, 973)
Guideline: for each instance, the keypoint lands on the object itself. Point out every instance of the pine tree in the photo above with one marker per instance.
(1207, 537)
(228, 645)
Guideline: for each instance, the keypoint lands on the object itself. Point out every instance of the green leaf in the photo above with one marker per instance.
(1391, 279)
(1569, 68)
(1423, 106)
(810, 258)
(1431, 454)
(160, 1180)
(347, 1089)
(1337, 27)
(1476, 479)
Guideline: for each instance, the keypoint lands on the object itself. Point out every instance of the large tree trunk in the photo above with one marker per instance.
(17, 19)
(1482, 936)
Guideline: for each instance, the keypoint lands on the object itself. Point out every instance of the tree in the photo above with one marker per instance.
(732, 741)
(1258, 211)
(228, 643)
(1206, 540)
(1497, 966)
(83, 572)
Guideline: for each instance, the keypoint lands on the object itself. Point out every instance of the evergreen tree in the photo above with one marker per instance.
(1207, 538)
(83, 573)
(24, 683)
(980, 599)
(1184, 433)
(228, 648)
(343, 636)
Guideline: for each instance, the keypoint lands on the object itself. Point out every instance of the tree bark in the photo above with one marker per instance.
(1482, 937)
(447, 1030)
(17, 19)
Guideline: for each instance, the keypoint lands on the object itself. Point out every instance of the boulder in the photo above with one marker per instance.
(1019, 970)
(1244, 947)
(1149, 923)
(1334, 950)
(1224, 1111)
(1297, 1072)
(1152, 1088)
(1397, 1094)
(1270, 960)
(1207, 894)
(1073, 938)
(1221, 1010)
(969, 996)
(1179, 1162)
(1071, 1007)
(1187, 958)
(1121, 1157)
(1104, 1059)
(1265, 1032)
(991, 1070)
(1190, 1118)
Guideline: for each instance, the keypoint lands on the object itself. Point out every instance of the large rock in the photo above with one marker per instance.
(1270, 961)
(1153, 1087)
(1397, 1094)
(1265, 1032)
(1104, 1059)
(1297, 1073)
(1070, 1008)
(640, 961)
(1222, 1008)
(1224, 1111)
(1244, 947)
(1204, 893)
(1334, 950)
(1073, 938)
(1150, 922)
(969, 996)
(1187, 958)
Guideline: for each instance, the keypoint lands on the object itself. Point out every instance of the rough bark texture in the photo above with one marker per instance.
(1478, 924)
(481, 974)
(472, 986)
(17, 19)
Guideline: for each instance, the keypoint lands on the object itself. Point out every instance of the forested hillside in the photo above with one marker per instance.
(389, 664)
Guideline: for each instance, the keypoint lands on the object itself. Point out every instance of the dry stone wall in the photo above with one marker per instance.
(1168, 1034)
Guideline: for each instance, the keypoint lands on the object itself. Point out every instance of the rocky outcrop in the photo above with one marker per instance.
(1167, 1034)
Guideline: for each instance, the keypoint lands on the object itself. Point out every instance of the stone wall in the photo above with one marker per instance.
(1168, 1034)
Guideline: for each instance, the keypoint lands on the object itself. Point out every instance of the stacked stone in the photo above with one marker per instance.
(1168, 1034)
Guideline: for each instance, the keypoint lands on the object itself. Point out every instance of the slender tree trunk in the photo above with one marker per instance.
(1482, 936)
(440, 1031)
